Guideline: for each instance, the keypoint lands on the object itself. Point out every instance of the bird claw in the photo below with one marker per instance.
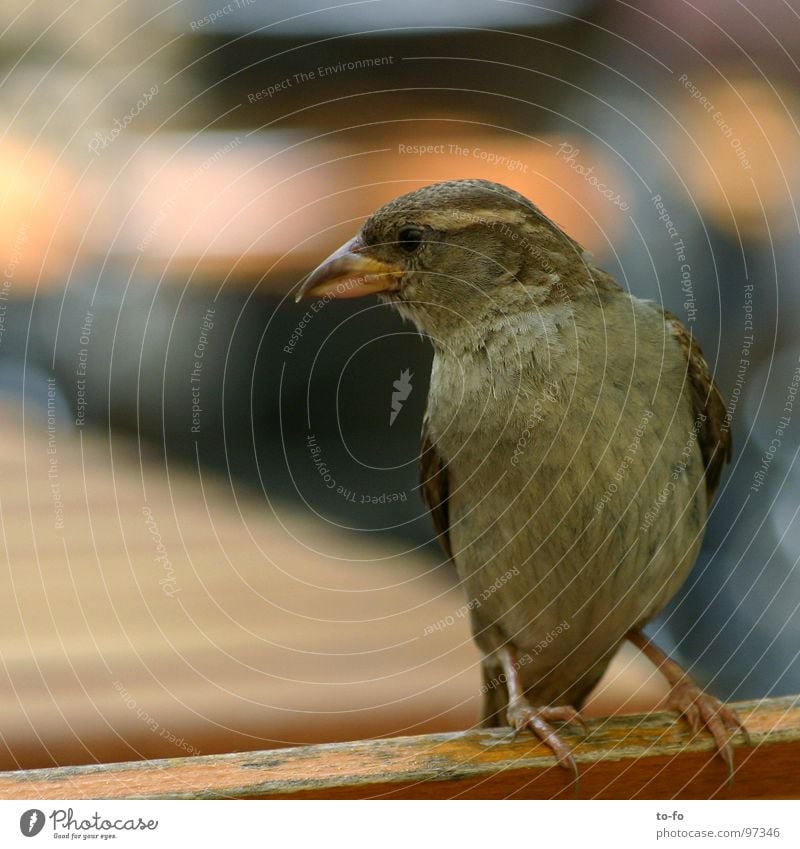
(537, 720)
(702, 709)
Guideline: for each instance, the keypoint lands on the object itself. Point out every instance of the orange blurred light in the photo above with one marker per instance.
(40, 225)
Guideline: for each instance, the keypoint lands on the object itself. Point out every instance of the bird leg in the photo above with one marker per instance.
(687, 698)
(521, 714)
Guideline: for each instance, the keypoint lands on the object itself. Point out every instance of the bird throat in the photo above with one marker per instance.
(514, 356)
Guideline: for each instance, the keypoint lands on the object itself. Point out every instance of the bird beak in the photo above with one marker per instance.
(349, 273)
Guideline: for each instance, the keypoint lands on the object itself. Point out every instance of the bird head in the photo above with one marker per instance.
(451, 255)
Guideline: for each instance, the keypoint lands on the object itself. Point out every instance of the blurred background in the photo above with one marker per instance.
(211, 533)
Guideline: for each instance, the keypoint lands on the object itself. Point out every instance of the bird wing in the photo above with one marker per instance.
(435, 487)
(713, 434)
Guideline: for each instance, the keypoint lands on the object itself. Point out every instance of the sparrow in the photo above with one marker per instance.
(571, 447)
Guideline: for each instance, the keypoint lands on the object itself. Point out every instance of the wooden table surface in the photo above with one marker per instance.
(146, 612)
(623, 757)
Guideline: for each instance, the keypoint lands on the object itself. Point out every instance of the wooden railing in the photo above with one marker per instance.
(647, 756)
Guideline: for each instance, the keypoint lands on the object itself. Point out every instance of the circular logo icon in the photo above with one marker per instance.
(31, 822)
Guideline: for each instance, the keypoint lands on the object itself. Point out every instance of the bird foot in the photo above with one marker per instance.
(702, 709)
(522, 715)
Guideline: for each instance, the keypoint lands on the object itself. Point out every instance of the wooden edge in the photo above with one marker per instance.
(647, 756)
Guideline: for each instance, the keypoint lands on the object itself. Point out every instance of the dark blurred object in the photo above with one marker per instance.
(495, 65)
(206, 380)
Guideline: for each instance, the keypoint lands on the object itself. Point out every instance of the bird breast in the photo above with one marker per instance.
(572, 468)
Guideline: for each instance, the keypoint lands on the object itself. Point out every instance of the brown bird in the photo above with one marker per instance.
(571, 447)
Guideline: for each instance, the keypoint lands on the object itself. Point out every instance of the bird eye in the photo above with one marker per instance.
(409, 239)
